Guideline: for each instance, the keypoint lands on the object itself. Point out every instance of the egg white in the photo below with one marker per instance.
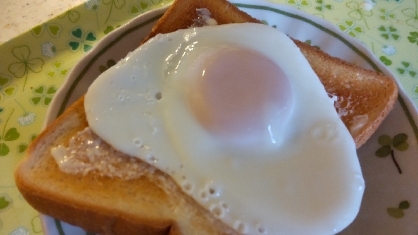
(308, 182)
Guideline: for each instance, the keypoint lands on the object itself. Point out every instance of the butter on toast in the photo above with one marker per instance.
(149, 201)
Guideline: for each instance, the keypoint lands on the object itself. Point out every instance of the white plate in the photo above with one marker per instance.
(390, 204)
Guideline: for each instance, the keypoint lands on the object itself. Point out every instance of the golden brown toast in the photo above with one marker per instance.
(144, 200)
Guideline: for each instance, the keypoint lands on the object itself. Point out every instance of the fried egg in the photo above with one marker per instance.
(237, 117)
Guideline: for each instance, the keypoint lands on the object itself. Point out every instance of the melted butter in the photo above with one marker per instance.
(86, 153)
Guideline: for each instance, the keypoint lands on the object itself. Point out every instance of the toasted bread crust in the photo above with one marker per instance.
(359, 91)
(181, 15)
(153, 203)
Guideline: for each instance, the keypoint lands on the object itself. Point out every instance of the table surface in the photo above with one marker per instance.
(388, 27)
(16, 16)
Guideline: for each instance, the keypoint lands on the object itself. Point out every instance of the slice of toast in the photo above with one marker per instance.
(148, 201)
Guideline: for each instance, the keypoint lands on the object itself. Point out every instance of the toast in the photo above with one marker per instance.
(119, 194)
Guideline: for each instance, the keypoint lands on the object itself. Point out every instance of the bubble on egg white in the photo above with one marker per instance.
(224, 205)
(187, 186)
(137, 142)
(359, 178)
(203, 195)
(324, 132)
(217, 210)
(261, 229)
(158, 95)
(152, 159)
(241, 227)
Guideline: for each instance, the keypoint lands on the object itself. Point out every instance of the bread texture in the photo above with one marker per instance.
(148, 201)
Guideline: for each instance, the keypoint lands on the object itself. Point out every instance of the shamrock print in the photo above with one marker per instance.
(57, 70)
(118, 4)
(109, 64)
(6, 136)
(351, 28)
(412, 15)
(298, 3)
(322, 6)
(407, 69)
(73, 16)
(81, 41)
(5, 202)
(389, 33)
(53, 29)
(37, 225)
(385, 60)
(25, 63)
(398, 212)
(413, 37)
(398, 142)
(358, 13)
(43, 95)
(386, 15)
(141, 7)
(6, 89)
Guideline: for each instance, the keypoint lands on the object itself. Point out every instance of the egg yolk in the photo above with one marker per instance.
(241, 96)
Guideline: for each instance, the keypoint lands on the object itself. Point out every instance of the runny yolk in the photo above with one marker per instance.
(241, 96)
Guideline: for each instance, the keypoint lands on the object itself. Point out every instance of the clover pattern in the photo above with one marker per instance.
(5, 202)
(25, 63)
(53, 29)
(351, 28)
(413, 37)
(358, 13)
(412, 15)
(298, 3)
(58, 69)
(73, 16)
(389, 33)
(43, 95)
(388, 144)
(7, 90)
(140, 7)
(321, 5)
(114, 4)
(406, 68)
(81, 40)
(386, 15)
(399, 211)
(109, 64)
(7, 135)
